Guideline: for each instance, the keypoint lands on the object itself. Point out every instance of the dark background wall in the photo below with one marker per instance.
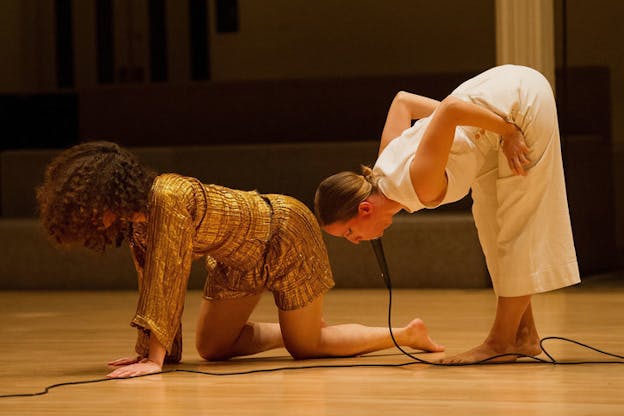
(215, 72)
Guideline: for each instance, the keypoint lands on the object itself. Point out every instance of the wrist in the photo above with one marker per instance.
(157, 351)
(509, 129)
(156, 360)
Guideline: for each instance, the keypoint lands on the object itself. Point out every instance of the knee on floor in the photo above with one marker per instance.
(303, 352)
(214, 352)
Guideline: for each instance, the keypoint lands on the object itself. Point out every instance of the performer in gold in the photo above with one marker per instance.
(97, 193)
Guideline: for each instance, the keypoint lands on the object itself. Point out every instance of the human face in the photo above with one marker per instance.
(109, 218)
(369, 224)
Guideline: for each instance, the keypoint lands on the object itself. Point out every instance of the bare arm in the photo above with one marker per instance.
(427, 169)
(404, 108)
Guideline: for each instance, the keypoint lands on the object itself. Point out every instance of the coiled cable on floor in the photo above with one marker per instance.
(385, 277)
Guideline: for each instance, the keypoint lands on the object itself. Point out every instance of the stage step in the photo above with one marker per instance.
(428, 249)
(423, 251)
(293, 169)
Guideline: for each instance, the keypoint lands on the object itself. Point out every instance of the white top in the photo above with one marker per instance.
(523, 222)
(464, 163)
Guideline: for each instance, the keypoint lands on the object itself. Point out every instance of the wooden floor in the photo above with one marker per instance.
(55, 337)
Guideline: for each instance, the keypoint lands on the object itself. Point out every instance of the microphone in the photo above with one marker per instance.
(381, 261)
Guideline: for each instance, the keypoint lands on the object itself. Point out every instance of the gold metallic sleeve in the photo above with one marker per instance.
(168, 257)
(142, 343)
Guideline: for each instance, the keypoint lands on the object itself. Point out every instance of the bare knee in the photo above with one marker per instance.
(304, 352)
(213, 352)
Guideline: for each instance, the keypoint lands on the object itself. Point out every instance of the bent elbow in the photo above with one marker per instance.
(428, 196)
(432, 202)
(400, 97)
(429, 188)
(450, 108)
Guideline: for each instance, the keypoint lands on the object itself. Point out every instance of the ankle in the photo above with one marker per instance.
(498, 345)
(527, 336)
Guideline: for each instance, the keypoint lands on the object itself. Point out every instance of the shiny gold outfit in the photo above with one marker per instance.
(250, 243)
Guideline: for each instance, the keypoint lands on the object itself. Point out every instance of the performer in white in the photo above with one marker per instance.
(497, 134)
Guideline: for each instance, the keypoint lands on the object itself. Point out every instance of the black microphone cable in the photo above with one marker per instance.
(385, 276)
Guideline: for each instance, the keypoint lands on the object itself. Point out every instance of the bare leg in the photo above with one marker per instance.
(306, 337)
(513, 323)
(223, 330)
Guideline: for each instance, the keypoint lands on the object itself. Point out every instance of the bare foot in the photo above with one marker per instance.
(415, 335)
(532, 349)
(488, 350)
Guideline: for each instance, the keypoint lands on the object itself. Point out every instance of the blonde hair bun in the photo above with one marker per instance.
(368, 174)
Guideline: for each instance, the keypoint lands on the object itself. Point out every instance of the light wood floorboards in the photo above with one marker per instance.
(55, 337)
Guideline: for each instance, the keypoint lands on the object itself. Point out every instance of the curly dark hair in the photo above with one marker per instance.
(84, 182)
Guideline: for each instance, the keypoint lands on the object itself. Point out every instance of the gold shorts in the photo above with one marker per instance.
(295, 268)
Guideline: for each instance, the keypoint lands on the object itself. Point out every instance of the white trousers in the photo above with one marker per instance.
(523, 221)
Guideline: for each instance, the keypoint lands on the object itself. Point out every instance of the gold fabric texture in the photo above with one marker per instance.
(250, 243)
(296, 268)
